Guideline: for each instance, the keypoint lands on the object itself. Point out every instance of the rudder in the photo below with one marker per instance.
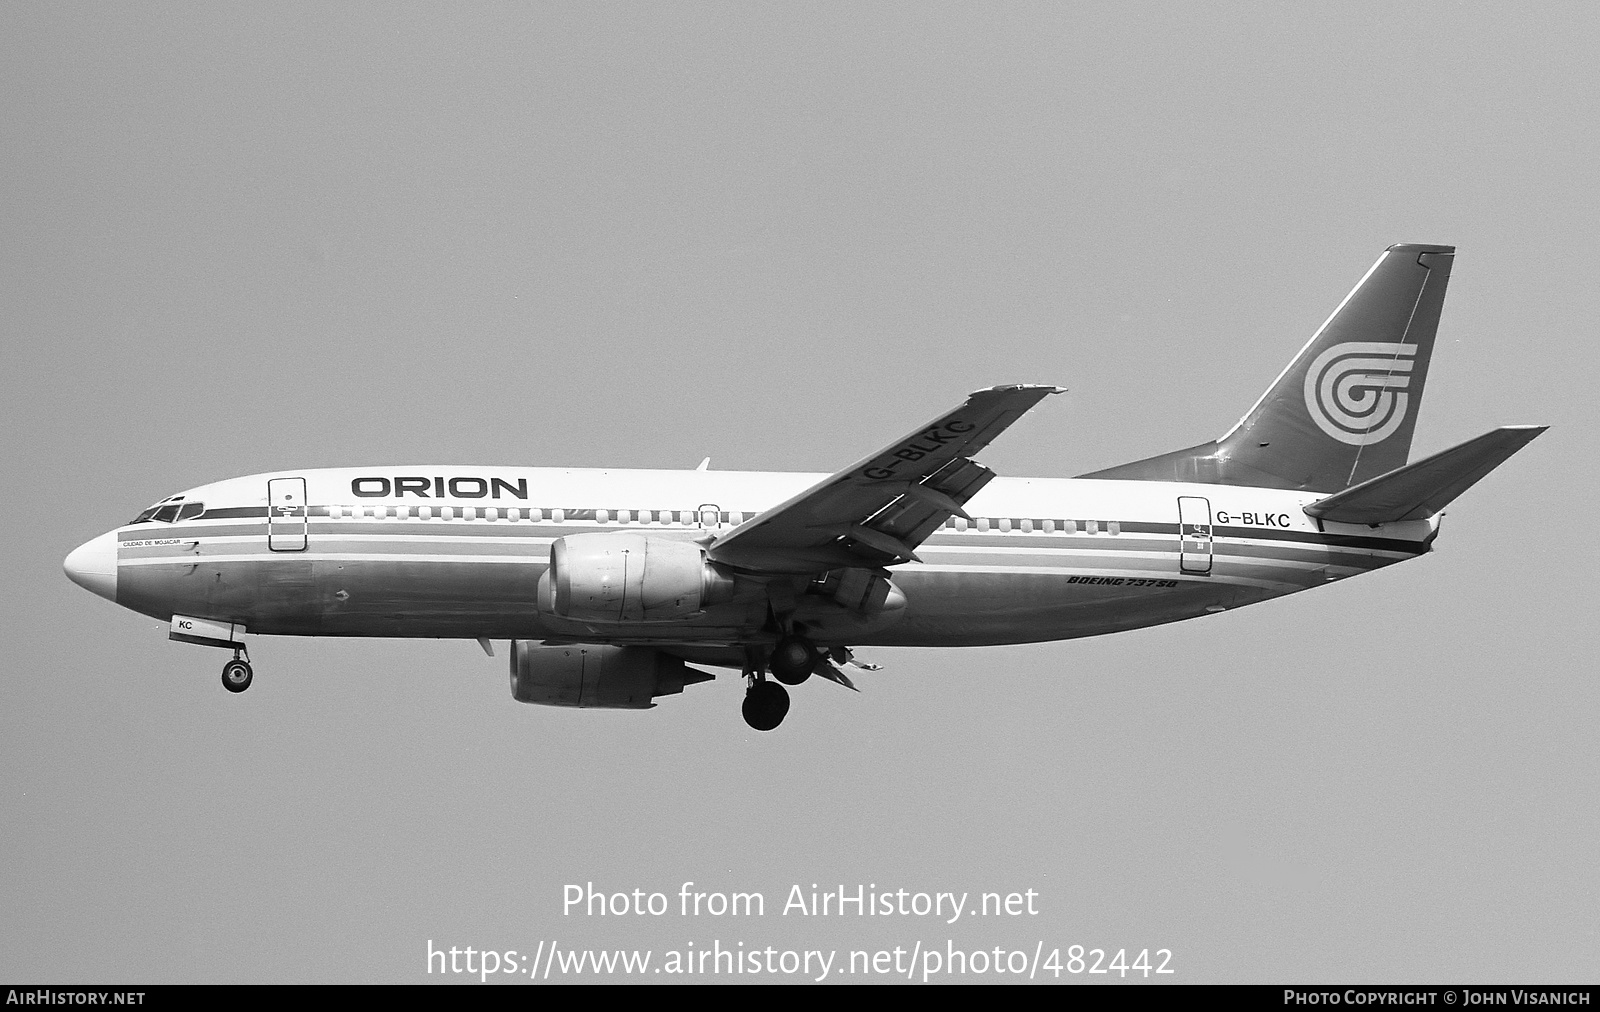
(1344, 409)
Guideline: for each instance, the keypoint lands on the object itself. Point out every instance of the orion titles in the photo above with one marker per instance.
(439, 487)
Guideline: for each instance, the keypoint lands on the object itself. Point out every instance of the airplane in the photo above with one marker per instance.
(617, 587)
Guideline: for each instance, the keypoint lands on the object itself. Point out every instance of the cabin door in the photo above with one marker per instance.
(710, 516)
(286, 514)
(1194, 535)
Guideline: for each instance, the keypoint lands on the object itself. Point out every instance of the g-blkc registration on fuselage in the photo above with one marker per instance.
(615, 587)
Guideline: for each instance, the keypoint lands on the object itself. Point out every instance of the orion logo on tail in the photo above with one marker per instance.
(1357, 391)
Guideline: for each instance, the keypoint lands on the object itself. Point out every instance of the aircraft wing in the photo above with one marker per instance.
(879, 509)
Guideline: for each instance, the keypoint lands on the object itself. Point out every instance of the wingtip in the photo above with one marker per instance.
(1007, 387)
(1420, 247)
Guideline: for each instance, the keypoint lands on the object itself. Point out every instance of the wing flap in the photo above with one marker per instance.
(879, 509)
(1421, 489)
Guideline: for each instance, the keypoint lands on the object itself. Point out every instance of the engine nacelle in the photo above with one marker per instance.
(584, 674)
(631, 578)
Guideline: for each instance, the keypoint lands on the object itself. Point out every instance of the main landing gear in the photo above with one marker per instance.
(765, 704)
(793, 660)
(237, 674)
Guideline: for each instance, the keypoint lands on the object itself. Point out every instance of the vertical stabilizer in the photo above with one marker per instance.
(1345, 408)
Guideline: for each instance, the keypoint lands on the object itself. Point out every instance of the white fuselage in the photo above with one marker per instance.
(450, 551)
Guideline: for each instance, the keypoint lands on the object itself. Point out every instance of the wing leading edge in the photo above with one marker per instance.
(879, 509)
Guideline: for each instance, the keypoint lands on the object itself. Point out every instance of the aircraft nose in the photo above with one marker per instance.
(93, 566)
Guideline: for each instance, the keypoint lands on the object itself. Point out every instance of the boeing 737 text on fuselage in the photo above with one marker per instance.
(615, 587)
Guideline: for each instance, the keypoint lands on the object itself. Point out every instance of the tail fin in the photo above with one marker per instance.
(1344, 409)
(1418, 491)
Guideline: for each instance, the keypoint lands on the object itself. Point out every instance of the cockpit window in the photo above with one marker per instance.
(168, 510)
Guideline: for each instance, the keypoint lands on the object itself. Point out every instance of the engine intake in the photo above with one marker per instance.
(632, 578)
(583, 674)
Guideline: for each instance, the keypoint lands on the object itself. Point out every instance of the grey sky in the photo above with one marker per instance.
(235, 239)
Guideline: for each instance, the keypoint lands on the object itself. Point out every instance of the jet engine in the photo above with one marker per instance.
(631, 578)
(584, 674)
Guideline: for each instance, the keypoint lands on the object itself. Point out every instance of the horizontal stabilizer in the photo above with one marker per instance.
(1420, 490)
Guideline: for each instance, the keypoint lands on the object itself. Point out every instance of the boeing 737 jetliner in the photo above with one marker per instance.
(616, 587)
